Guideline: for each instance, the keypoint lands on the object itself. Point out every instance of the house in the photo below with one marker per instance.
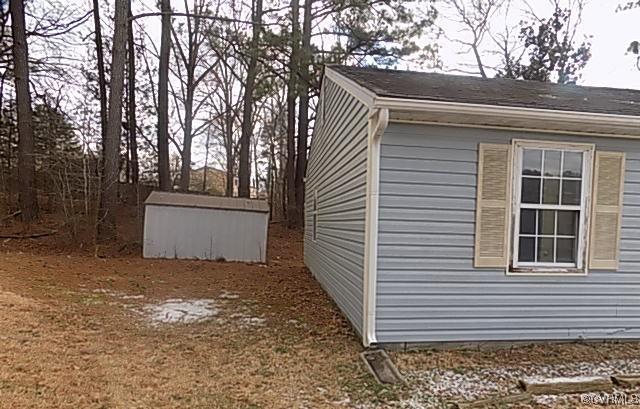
(210, 180)
(196, 226)
(458, 209)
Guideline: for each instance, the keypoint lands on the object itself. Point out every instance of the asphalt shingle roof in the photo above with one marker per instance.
(494, 91)
(174, 199)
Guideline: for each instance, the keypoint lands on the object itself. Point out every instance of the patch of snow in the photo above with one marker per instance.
(178, 311)
(226, 295)
(253, 321)
(246, 320)
(117, 294)
(549, 400)
(435, 388)
(108, 292)
(132, 297)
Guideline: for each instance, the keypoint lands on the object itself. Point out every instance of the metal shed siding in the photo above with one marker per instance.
(205, 234)
(427, 287)
(337, 170)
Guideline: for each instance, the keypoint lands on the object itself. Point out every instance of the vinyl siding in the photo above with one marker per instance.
(337, 170)
(427, 287)
(204, 234)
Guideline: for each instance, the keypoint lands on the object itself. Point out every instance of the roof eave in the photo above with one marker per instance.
(540, 120)
(467, 114)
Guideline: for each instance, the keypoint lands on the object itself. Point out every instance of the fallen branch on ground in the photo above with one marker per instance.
(12, 215)
(27, 236)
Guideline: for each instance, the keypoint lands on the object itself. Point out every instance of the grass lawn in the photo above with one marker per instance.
(78, 331)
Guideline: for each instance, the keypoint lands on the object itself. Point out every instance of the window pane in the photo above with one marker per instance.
(552, 163)
(568, 223)
(547, 222)
(527, 221)
(566, 251)
(550, 194)
(531, 162)
(571, 192)
(572, 164)
(530, 190)
(545, 250)
(526, 249)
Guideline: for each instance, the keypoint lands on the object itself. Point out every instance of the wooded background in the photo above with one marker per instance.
(102, 100)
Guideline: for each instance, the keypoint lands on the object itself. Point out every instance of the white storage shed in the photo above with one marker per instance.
(191, 226)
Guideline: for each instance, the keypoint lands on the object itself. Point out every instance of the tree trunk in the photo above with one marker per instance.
(254, 149)
(228, 132)
(206, 160)
(133, 143)
(185, 168)
(102, 82)
(26, 160)
(109, 189)
(244, 171)
(163, 98)
(291, 208)
(303, 113)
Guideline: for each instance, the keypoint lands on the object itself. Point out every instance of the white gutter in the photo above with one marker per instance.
(378, 122)
(533, 115)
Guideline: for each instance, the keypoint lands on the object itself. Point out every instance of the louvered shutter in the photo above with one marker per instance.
(607, 210)
(492, 206)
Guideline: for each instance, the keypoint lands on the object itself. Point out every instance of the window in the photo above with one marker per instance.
(552, 182)
(314, 215)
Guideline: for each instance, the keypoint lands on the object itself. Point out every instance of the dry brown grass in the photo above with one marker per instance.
(65, 346)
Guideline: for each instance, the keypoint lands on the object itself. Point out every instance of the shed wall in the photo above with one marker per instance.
(337, 171)
(427, 287)
(205, 234)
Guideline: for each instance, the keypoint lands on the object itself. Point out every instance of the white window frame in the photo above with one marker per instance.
(314, 216)
(580, 267)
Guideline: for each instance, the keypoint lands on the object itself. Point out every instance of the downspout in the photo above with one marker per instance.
(378, 122)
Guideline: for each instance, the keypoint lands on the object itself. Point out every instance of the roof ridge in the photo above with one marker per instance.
(505, 92)
(343, 67)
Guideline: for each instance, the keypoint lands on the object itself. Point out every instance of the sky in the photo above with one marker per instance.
(611, 33)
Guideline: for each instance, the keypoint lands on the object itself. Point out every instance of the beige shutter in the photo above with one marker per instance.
(492, 206)
(606, 210)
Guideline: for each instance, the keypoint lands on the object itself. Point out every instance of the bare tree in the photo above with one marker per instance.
(292, 210)
(102, 82)
(191, 56)
(109, 189)
(26, 160)
(163, 98)
(132, 123)
(244, 170)
(475, 16)
(303, 113)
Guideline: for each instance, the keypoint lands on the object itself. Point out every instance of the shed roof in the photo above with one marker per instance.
(493, 91)
(206, 202)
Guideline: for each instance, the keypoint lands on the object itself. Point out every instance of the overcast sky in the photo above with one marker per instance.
(611, 33)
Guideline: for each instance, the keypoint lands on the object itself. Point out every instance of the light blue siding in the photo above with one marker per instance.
(337, 170)
(427, 287)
